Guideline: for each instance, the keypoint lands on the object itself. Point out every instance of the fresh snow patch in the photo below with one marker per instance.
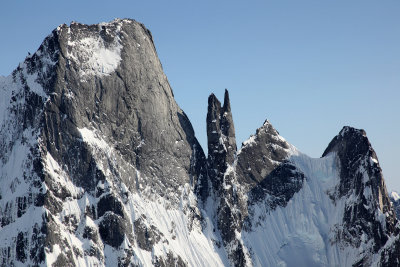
(94, 57)
(51, 256)
(93, 139)
(250, 141)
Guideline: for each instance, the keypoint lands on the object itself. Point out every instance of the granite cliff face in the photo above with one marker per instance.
(100, 167)
(89, 125)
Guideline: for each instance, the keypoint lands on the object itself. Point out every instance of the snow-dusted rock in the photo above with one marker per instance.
(91, 141)
(100, 167)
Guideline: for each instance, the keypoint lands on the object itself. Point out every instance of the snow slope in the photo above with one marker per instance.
(300, 233)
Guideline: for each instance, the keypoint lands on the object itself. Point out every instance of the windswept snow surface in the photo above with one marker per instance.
(300, 234)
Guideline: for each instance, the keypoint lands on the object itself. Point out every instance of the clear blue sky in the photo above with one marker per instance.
(310, 67)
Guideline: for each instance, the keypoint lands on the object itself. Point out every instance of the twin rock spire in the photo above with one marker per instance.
(221, 137)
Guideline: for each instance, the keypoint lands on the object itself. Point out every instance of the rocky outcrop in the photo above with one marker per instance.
(220, 138)
(368, 210)
(100, 167)
(221, 161)
(264, 169)
(96, 116)
(126, 100)
(361, 179)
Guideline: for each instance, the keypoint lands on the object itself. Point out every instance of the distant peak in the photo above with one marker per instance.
(350, 138)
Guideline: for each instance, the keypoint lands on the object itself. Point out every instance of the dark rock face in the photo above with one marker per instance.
(259, 155)
(131, 108)
(89, 85)
(109, 203)
(353, 148)
(361, 178)
(125, 106)
(280, 184)
(21, 247)
(146, 236)
(221, 157)
(221, 139)
(90, 233)
(263, 168)
(112, 230)
(170, 260)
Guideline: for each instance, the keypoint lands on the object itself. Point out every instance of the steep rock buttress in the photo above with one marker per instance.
(221, 160)
(91, 138)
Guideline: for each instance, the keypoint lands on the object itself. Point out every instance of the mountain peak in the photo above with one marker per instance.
(348, 130)
(361, 178)
(350, 137)
(220, 128)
